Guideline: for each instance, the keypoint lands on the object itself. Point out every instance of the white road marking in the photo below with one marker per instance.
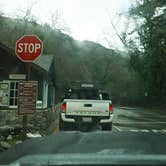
(117, 128)
(142, 130)
(134, 130)
(155, 131)
(141, 123)
(145, 130)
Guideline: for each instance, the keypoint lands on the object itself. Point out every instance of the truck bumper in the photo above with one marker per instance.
(63, 117)
(72, 120)
(107, 120)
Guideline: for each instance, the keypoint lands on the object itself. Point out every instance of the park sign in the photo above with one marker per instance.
(28, 48)
(27, 94)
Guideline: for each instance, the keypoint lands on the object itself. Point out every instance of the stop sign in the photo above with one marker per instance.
(28, 48)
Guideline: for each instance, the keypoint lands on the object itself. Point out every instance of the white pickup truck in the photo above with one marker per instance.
(85, 106)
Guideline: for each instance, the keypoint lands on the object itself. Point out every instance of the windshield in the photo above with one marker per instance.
(83, 76)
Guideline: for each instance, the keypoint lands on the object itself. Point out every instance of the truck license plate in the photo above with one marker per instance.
(86, 119)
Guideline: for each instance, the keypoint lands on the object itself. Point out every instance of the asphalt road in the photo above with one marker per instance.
(139, 120)
(135, 131)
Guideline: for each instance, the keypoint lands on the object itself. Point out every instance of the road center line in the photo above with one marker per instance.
(145, 130)
(134, 130)
(117, 128)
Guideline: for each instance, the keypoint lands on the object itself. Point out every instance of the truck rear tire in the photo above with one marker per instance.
(62, 125)
(65, 126)
(107, 126)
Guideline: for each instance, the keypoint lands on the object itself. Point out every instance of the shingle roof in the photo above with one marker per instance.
(44, 61)
(10, 51)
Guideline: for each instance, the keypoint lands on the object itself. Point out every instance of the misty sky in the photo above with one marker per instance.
(87, 19)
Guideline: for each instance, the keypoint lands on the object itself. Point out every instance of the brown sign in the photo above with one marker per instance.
(27, 93)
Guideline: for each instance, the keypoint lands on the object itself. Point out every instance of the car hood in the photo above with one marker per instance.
(91, 159)
(98, 143)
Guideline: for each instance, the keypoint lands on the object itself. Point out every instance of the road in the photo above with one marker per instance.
(135, 131)
(139, 120)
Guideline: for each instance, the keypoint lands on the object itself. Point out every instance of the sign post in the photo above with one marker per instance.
(27, 48)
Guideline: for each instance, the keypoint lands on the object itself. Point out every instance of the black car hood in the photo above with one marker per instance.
(91, 159)
(98, 143)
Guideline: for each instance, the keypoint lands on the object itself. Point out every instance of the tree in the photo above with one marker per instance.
(150, 61)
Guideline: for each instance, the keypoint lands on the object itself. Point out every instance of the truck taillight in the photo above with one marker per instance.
(110, 108)
(63, 107)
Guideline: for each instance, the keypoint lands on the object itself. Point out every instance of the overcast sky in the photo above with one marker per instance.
(87, 19)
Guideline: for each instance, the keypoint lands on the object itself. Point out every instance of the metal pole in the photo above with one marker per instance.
(25, 117)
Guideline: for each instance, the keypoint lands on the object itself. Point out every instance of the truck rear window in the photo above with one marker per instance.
(105, 96)
(90, 94)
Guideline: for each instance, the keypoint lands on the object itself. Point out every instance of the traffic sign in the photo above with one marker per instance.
(27, 93)
(28, 48)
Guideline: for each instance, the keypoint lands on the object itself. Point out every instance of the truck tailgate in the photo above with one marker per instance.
(87, 107)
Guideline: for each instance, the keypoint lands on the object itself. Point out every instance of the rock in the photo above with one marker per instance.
(2, 122)
(5, 130)
(2, 138)
(14, 120)
(9, 137)
(36, 128)
(5, 127)
(38, 117)
(33, 135)
(17, 130)
(43, 126)
(18, 142)
(30, 126)
(5, 145)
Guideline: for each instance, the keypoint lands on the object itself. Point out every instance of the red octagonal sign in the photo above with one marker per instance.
(28, 48)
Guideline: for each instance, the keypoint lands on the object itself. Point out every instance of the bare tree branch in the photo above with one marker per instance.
(58, 23)
(117, 33)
